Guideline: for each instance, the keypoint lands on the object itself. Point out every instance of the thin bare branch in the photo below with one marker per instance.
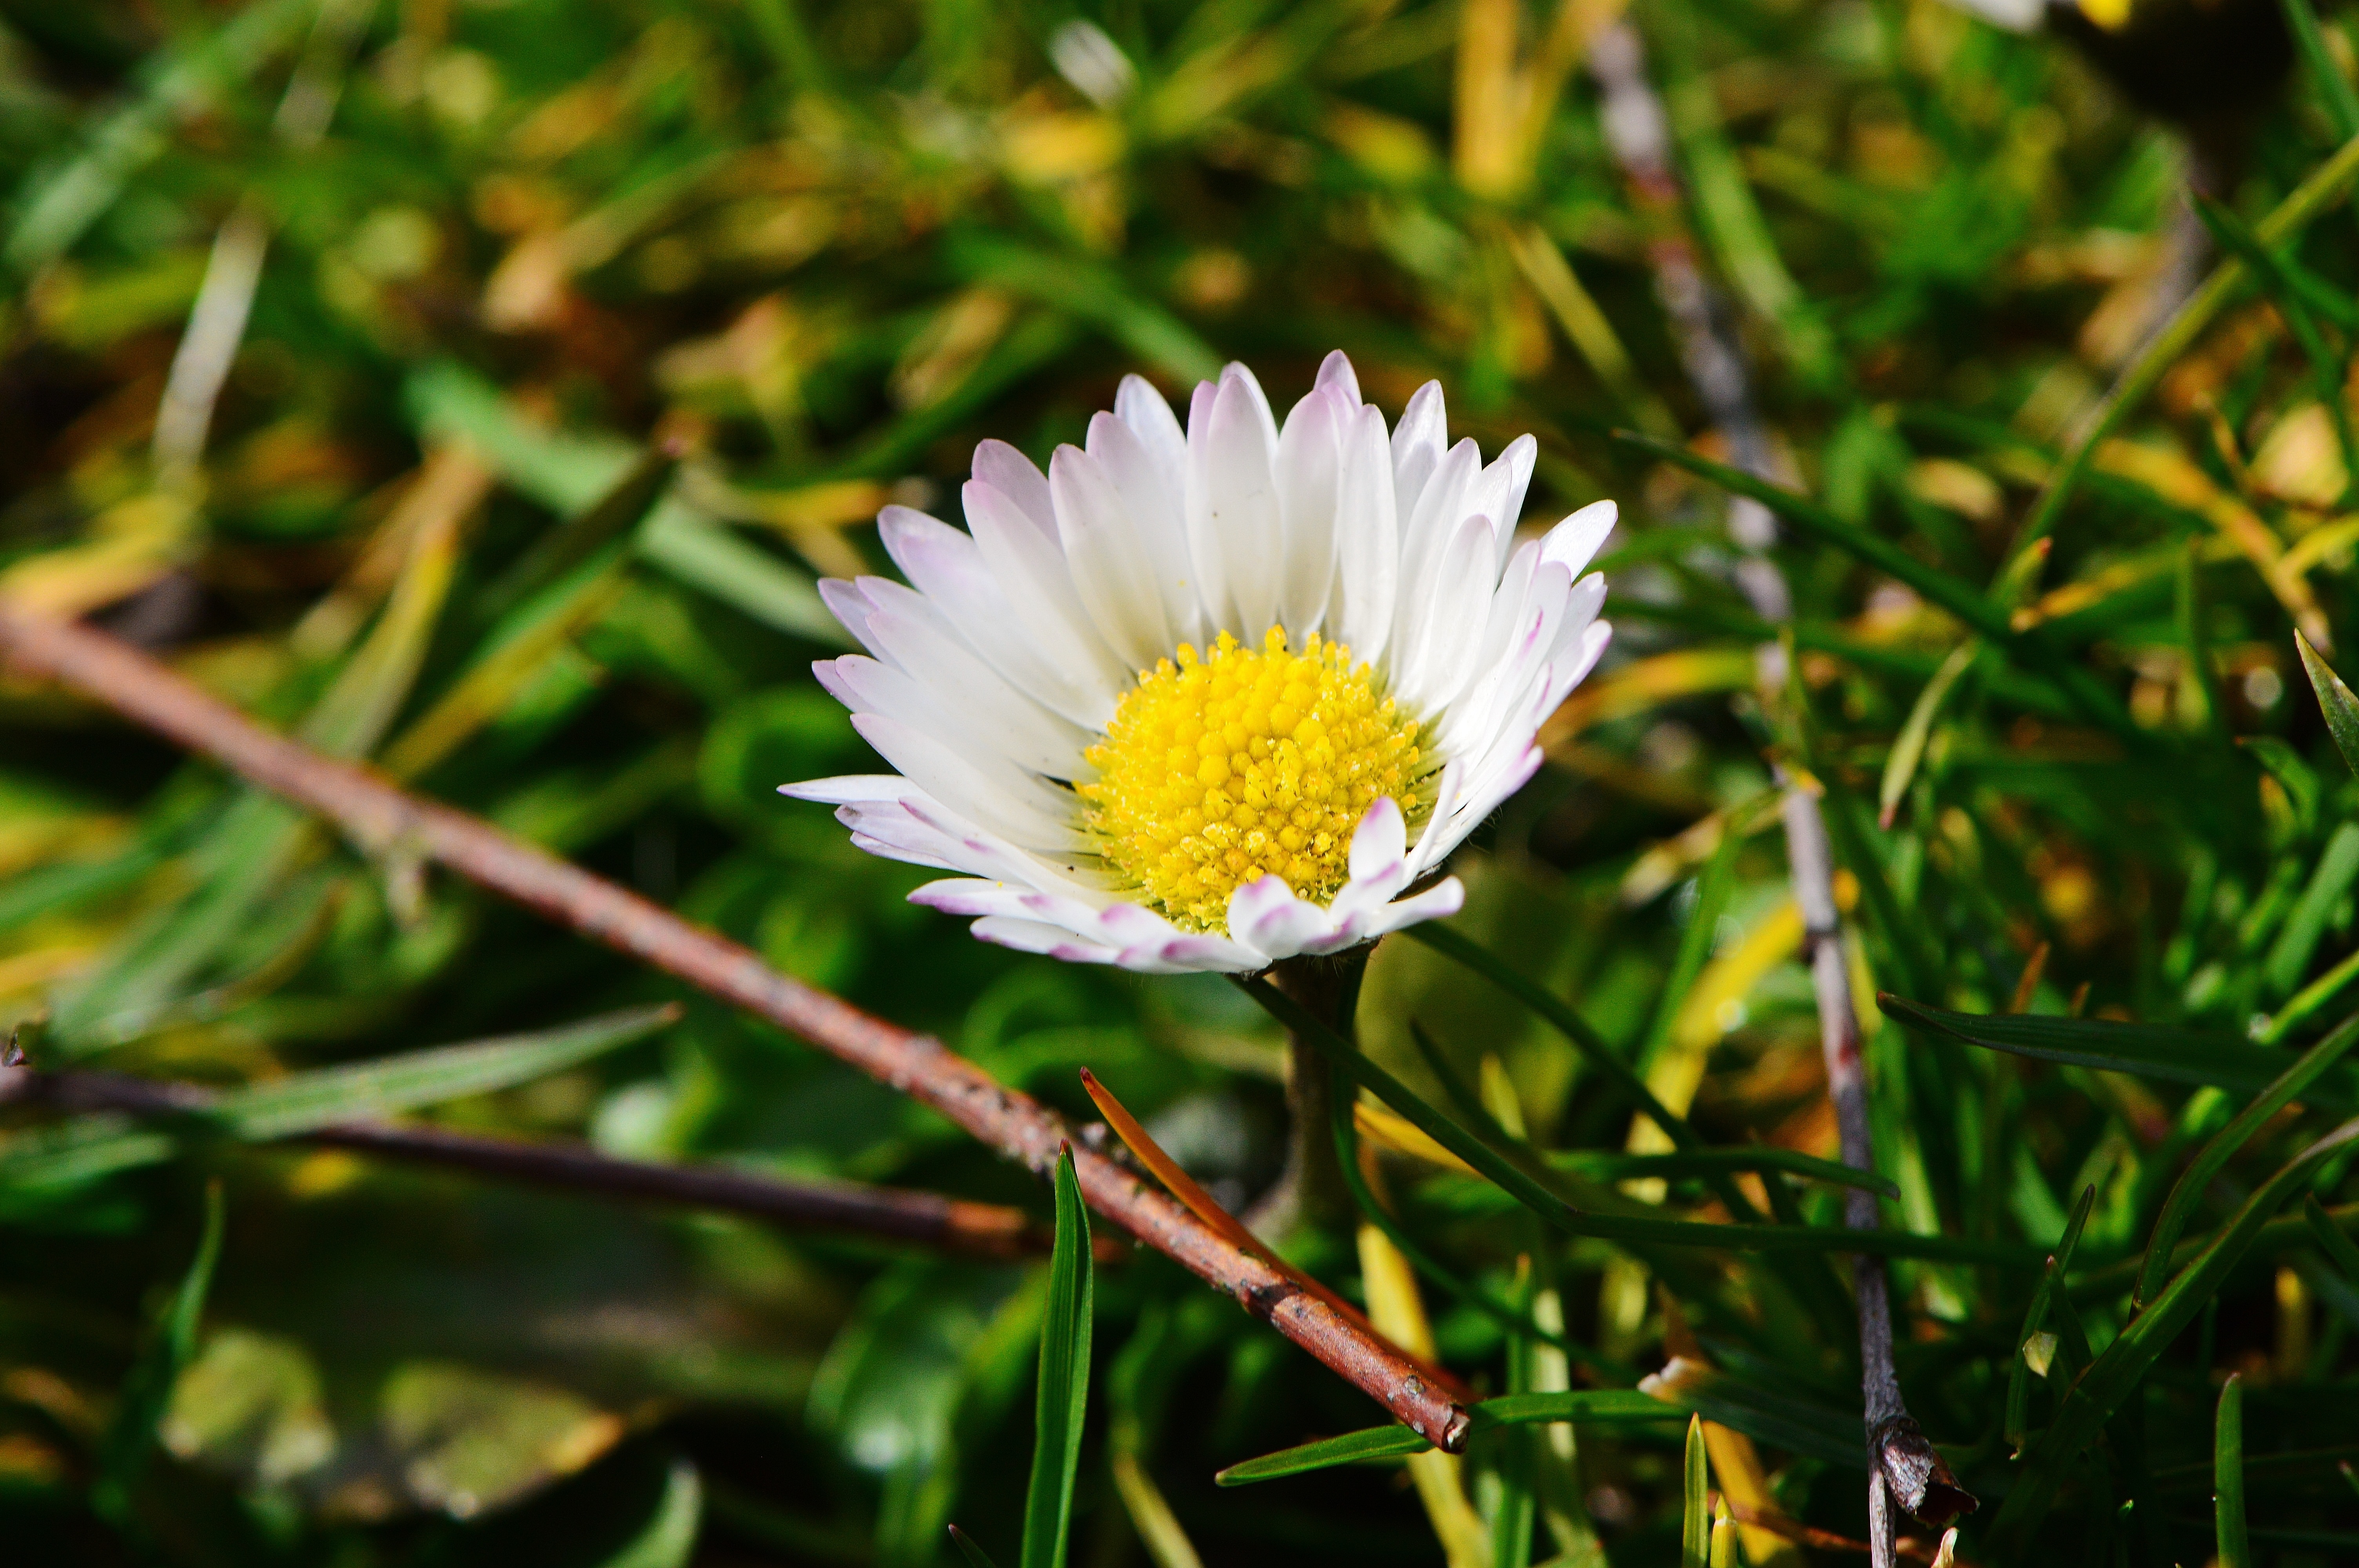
(1906, 1467)
(953, 1224)
(387, 823)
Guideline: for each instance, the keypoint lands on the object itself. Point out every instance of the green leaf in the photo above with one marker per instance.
(2334, 88)
(975, 1556)
(2337, 869)
(1598, 1407)
(1979, 610)
(1064, 1379)
(2331, 1238)
(1777, 1416)
(89, 1147)
(2148, 1050)
(2236, 1547)
(2082, 1415)
(2196, 1180)
(170, 1345)
(2166, 345)
(668, 1537)
(1591, 1045)
(1352, 1448)
(1606, 1166)
(1096, 294)
(2334, 700)
(2292, 770)
(2059, 1263)
(390, 1085)
(1908, 746)
(1695, 1510)
(1534, 1194)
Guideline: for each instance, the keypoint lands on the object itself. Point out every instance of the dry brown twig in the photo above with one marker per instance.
(389, 825)
(1904, 1466)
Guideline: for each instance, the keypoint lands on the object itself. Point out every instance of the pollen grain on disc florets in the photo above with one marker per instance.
(1221, 768)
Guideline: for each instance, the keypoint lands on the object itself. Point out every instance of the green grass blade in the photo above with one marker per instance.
(1606, 1166)
(1595, 1407)
(2292, 771)
(668, 1537)
(1588, 1406)
(1064, 1379)
(2334, 88)
(2334, 700)
(2341, 1249)
(2152, 1051)
(2082, 1415)
(2018, 1378)
(2236, 1547)
(1534, 1194)
(172, 1345)
(1695, 1514)
(1814, 522)
(2337, 869)
(1593, 1046)
(1908, 746)
(2277, 275)
(975, 1556)
(1455, 1281)
(2164, 348)
(391, 1084)
(2196, 1180)
(1352, 1448)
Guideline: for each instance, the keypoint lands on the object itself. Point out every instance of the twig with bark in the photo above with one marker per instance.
(1905, 1467)
(389, 825)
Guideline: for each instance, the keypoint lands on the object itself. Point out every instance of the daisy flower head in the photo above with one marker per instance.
(1213, 698)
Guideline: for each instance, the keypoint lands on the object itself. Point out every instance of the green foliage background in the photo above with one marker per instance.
(816, 251)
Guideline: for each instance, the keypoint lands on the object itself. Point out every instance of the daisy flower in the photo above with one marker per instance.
(1206, 699)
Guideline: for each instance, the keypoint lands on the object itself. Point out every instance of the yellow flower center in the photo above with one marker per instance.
(1220, 769)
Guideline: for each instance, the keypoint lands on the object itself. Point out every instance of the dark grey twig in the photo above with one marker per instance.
(1906, 1467)
(955, 1224)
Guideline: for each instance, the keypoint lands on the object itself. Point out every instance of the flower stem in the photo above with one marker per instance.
(1310, 1194)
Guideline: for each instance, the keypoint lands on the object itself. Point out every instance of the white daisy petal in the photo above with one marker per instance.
(1335, 371)
(1151, 486)
(1573, 542)
(1095, 795)
(1038, 936)
(1419, 441)
(1233, 524)
(947, 568)
(1108, 557)
(1018, 479)
(1367, 544)
(1308, 472)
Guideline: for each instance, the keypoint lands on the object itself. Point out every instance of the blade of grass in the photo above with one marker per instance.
(2196, 1180)
(2341, 1249)
(668, 1539)
(2334, 88)
(172, 1345)
(1695, 1510)
(2085, 1409)
(1980, 611)
(1454, 1281)
(2236, 1547)
(2166, 347)
(2152, 1051)
(2018, 1378)
(1600, 1407)
(1526, 1189)
(2337, 869)
(2334, 700)
(975, 1556)
(1591, 1045)
(1064, 1393)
